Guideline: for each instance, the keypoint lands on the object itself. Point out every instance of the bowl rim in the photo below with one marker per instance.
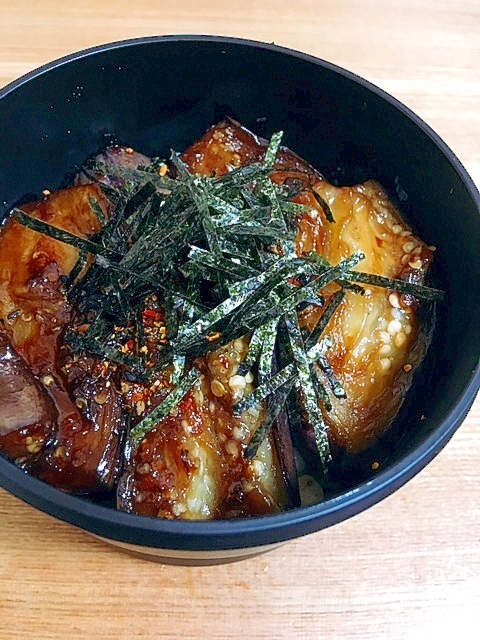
(263, 530)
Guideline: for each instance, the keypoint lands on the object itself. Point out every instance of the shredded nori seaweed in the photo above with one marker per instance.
(220, 254)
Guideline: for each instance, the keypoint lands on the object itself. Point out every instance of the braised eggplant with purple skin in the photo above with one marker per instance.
(171, 328)
(82, 452)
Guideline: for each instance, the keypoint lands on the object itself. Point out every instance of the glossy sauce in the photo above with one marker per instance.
(83, 454)
(378, 341)
(192, 464)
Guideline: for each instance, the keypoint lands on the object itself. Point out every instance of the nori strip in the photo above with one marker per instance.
(80, 265)
(64, 236)
(272, 150)
(321, 325)
(162, 411)
(335, 384)
(138, 176)
(265, 362)
(98, 211)
(309, 396)
(418, 290)
(324, 205)
(275, 407)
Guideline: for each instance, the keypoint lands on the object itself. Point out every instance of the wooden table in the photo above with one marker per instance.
(407, 568)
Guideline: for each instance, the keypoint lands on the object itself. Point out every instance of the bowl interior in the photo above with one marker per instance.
(160, 94)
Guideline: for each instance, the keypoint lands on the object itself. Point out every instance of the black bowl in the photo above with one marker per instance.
(157, 93)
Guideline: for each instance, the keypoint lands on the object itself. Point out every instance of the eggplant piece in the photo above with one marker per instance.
(84, 453)
(33, 306)
(27, 414)
(378, 338)
(121, 156)
(191, 466)
(228, 145)
(87, 451)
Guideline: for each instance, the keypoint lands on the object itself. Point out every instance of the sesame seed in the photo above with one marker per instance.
(211, 407)
(432, 247)
(237, 382)
(239, 345)
(163, 170)
(231, 447)
(101, 398)
(385, 363)
(404, 259)
(405, 234)
(417, 251)
(385, 336)
(29, 440)
(384, 350)
(249, 377)
(48, 380)
(129, 150)
(217, 388)
(81, 403)
(394, 327)
(417, 264)
(238, 433)
(397, 314)
(394, 301)
(396, 229)
(408, 247)
(35, 447)
(408, 329)
(400, 339)
(46, 192)
(144, 468)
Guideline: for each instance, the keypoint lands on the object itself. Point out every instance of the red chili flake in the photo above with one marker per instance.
(83, 328)
(188, 405)
(137, 396)
(149, 313)
(158, 316)
(294, 281)
(131, 344)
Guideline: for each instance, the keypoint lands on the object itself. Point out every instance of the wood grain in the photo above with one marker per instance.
(407, 568)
